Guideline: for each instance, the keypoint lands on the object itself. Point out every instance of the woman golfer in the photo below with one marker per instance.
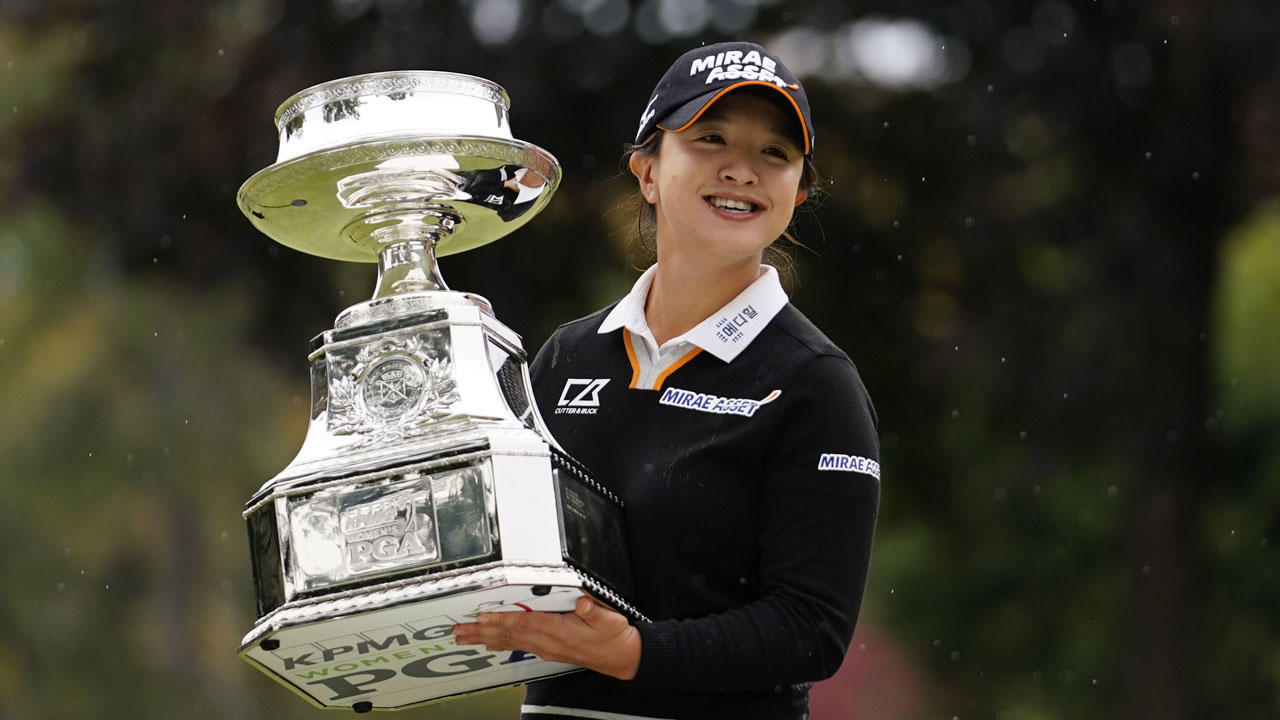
(740, 438)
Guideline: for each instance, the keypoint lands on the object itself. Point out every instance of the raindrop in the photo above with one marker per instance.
(896, 224)
(1113, 491)
(1022, 435)
(955, 414)
(1195, 175)
(1146, 569)
(886, 124)
(1002, 359)
(224, 534)
(899, 258)
(937, 643)
(62, 586)
(1065, 396)
(862, 646)
(955, 654)
(221, 52)
(969, 222)
(991, 88)
(972, 140)
(1001, 493)
(1148, 155)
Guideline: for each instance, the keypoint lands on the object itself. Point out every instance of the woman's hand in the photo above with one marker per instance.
(592, 636)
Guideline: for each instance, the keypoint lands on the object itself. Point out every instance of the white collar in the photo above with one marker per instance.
(725, 334)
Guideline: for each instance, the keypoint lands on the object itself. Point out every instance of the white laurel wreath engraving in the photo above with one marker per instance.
(389, 85)
(347, 416)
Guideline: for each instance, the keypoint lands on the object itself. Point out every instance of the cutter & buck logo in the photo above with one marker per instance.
(580, 396)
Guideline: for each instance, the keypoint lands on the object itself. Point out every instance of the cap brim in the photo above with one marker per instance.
(688, 113)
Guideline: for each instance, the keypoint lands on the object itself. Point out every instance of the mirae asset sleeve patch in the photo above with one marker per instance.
(849, 463)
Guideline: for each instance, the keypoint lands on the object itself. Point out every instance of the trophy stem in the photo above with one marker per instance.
(409, 266)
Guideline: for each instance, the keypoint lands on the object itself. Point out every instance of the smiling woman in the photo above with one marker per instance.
(741, 440)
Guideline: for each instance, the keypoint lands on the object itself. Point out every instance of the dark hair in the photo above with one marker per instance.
(645, 240)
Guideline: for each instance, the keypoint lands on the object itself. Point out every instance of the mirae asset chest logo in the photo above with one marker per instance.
(702, 402)
(580, 396)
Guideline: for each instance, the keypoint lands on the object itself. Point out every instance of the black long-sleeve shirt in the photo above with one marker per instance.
(751, 490)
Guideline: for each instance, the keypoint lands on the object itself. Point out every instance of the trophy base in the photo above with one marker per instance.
(391, 648)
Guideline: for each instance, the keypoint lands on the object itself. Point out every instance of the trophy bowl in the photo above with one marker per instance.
(427, 489)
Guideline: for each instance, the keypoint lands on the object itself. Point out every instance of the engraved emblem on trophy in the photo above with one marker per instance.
(427, 489)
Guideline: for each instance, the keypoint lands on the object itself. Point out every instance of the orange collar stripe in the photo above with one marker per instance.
(657, 385)
(631, 355)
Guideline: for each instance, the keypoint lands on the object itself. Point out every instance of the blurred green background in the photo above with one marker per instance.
(1050, 241)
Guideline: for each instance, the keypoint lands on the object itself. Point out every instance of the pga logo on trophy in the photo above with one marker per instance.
(427, 489)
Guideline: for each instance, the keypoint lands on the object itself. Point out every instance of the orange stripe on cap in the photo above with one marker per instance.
(657, 384)
(631, 355)
(804, 128)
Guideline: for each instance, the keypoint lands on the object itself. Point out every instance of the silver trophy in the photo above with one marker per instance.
(427, 489)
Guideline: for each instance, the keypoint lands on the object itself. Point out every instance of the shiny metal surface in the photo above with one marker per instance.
(368, 161)
(427, 487)
(344, 534)
(363, 107)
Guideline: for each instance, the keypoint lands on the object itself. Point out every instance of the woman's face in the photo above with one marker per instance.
(725, 187)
